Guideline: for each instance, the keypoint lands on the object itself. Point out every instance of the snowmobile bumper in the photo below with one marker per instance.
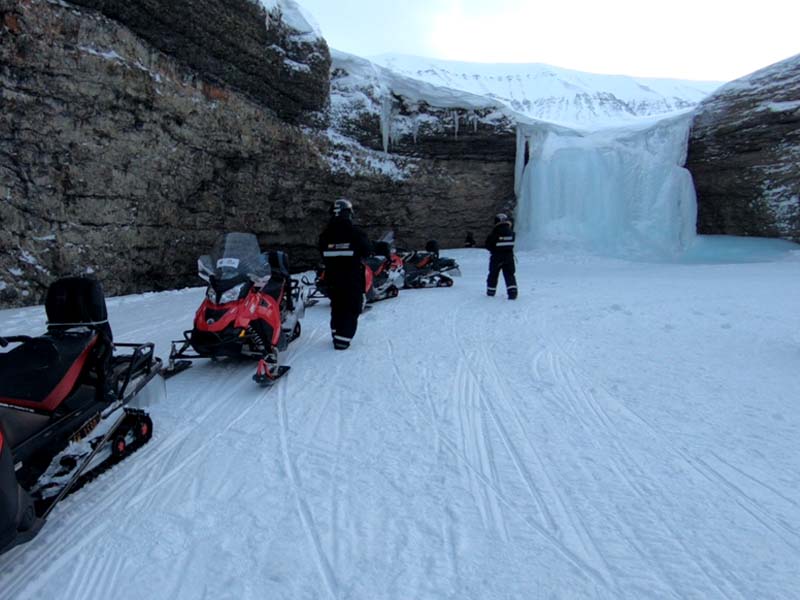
(204, 344)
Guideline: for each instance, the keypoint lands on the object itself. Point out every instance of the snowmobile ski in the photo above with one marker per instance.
(266, 377)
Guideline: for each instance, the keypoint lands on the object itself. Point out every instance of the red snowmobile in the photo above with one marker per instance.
(388, 274)
(319, 288)
(383, 273)
(252, 309)
(70, 406)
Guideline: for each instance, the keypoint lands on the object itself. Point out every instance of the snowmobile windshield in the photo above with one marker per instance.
(235, 256)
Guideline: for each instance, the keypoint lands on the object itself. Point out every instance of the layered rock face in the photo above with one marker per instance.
(234, 43)
(119, 159)
(744, 154)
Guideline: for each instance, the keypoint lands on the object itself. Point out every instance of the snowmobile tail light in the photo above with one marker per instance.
(231, 295)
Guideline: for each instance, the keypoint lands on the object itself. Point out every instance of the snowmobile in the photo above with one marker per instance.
(424, 269)
(388, 274)
(252, 309)
(70, 406)
(319, 288)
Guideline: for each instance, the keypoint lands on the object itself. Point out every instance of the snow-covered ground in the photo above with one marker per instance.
(623, 430)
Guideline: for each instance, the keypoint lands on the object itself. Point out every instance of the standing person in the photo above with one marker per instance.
(344, 248)
(500, 243)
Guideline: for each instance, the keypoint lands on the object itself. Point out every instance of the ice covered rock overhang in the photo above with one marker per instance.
(406, 107)
(621, 191)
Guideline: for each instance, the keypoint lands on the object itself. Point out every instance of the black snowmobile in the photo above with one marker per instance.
(425, 269)
(67, 406)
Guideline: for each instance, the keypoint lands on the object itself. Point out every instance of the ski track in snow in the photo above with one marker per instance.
(601, 437)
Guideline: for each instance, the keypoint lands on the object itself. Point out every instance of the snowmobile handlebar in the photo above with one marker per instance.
(14, 339)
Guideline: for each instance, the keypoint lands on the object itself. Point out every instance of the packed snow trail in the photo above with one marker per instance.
(623, 430)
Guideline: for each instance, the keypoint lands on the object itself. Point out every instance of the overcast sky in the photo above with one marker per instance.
(686, 39)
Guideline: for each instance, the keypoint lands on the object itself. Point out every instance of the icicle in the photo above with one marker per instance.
(415, 127)
(386, 120)
(474, 123)
(519, 167)
(456, 119)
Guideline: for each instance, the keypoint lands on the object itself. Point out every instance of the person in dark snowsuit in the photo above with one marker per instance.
(500, 242)
(344, 248)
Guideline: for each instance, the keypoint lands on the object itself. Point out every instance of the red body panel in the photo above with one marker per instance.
(59, 393)
(255, 306)
(367, 279)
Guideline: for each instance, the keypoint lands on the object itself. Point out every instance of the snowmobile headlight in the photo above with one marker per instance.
(211, 295)
(232, 294)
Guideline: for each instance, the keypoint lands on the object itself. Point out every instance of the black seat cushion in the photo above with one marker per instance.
(76, 301)
(375, 262)
(41, 373)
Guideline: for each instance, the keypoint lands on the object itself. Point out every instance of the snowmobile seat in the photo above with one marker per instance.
(375, 262)
(279, 273)
(42, 372)
(432, 246)
(382, 249)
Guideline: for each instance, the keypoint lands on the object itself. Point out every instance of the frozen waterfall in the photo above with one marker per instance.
(621, 191)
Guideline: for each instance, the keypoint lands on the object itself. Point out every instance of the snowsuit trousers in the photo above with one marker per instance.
(346, 305)
(502, 262)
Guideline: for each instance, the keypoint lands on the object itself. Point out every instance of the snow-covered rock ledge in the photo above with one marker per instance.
(268, 49)
(395, 114)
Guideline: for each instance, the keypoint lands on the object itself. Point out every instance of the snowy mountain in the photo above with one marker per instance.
(555, 94)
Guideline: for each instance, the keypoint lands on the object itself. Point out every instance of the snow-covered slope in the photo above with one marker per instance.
(555, 94)
(622, 431)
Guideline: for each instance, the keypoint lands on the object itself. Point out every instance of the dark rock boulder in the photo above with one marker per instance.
(235, 43)
(744, 155)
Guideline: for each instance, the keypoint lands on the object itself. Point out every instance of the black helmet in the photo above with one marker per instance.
(342, 208)
(501, 218)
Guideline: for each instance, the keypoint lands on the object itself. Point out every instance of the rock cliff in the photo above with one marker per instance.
(125, 150)
(744, 154)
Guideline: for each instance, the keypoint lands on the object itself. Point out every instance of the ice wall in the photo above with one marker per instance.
(620, 191)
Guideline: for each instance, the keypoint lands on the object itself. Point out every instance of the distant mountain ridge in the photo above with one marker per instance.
(564, 96)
